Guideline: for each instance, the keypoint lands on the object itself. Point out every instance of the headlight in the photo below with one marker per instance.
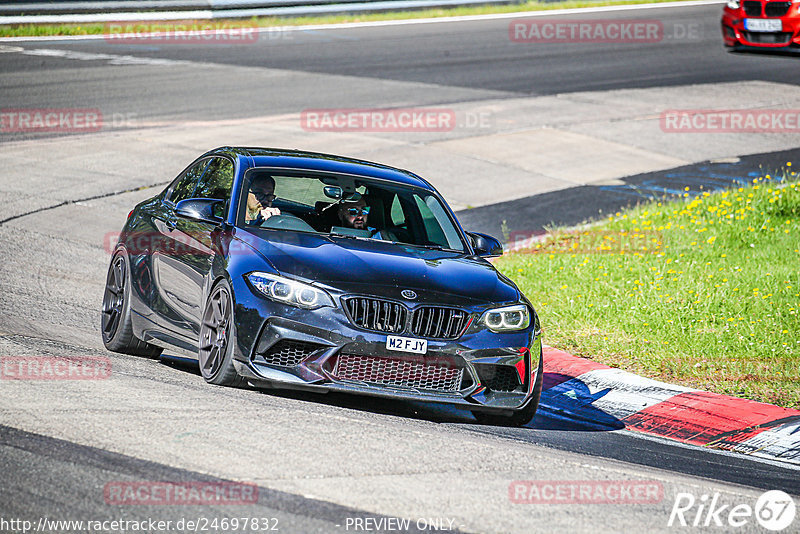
(289, 292)
(506, 319)
(733, 4)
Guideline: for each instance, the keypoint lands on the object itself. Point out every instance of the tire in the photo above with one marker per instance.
(520, 417)
(115, 322)
(217, 338)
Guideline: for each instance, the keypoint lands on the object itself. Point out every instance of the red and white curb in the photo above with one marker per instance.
(611, 398)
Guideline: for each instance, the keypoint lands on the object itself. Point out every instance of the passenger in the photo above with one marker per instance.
(259, 200)
(354, 214)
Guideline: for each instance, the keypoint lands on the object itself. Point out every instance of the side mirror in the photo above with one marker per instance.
(485, 245)
(200, 209)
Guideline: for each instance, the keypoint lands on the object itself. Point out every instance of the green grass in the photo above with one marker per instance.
(40, 30)
(703, 291)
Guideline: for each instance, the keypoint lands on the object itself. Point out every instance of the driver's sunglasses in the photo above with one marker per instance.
(264, 197)
(355, 212)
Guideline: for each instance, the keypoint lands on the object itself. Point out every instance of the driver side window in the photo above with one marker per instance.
(217, 180)
(216, 183)
(398, 217)
(185, 186)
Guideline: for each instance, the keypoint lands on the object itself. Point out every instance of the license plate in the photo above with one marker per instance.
(407, 344)
(763, 25)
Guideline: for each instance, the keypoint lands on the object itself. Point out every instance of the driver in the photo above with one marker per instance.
(259, 200)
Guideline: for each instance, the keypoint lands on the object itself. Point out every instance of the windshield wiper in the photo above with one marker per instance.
(433, 246)
(349, 236)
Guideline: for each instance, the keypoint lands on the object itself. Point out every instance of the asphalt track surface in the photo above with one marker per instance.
(462, 61)
(52, 469)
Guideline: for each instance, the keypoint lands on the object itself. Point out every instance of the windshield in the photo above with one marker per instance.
(346, 206)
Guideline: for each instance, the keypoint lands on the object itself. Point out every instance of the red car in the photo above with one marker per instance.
(761, 24)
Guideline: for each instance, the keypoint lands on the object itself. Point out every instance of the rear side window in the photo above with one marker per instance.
(398, 217)
(186, 184)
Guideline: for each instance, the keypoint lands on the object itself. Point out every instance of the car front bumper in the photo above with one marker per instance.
(735, 34)
(288, 347)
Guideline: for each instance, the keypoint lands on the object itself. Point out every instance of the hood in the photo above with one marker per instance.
(384, 269)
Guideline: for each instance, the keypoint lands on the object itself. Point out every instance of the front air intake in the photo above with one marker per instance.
(399, 372)
(288, 353)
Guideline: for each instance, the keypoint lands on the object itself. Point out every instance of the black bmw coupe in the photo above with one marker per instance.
(281, 268)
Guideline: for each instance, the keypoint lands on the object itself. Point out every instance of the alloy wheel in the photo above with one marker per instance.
(215, 332)
(114, 298)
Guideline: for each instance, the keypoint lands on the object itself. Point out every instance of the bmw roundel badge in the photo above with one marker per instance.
(407, 293)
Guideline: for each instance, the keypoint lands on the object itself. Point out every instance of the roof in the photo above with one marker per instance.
(299, 159)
